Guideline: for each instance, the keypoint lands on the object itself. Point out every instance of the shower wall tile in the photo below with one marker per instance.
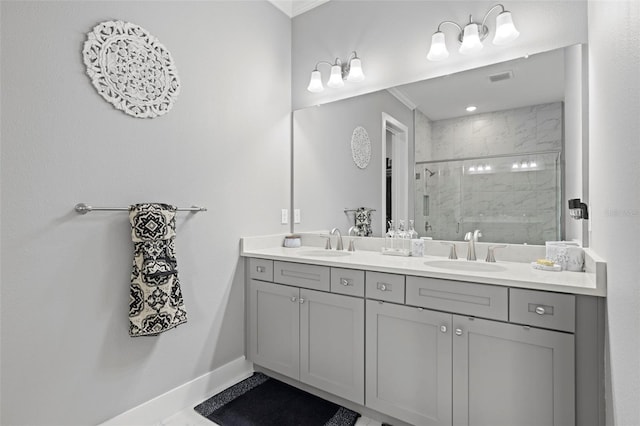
(507, 206)
(422, 136)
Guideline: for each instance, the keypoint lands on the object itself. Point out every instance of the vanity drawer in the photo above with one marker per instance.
(388, 287)
(542, 309)
(477, 300)
(313, 277)
(261, 269)
(347, 281)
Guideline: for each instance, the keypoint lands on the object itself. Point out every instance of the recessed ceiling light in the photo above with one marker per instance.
(471, 108)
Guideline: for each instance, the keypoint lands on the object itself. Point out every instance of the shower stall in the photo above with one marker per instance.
(511, 198)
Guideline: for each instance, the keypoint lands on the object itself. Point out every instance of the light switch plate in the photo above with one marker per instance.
(296, 215)
(284, 216)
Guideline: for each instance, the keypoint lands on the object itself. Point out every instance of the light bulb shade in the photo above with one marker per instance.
(470, 40)
(438, 50)
(315, 84)
(355, 72)
(335, 80)
(506, 32)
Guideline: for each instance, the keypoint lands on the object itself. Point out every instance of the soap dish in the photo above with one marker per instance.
(555, 267)
(396, 252)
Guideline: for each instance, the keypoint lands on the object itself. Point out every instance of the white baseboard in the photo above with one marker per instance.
(191, 393)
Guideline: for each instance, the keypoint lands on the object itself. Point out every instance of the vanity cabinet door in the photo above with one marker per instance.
(408, 371)
(332, 343)
(274, 327)
(506, 374)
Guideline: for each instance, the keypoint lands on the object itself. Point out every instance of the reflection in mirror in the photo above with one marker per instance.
(329, 187)
(499, 168)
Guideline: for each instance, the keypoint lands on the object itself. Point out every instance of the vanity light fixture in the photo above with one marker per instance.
(472, 35)
(351, 70)
(524, 165)
(479, 168)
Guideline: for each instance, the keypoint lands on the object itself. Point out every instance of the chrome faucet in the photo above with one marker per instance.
(472, 238)
(339, 245)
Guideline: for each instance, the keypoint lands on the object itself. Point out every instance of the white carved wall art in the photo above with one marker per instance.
(131, 69)
(360, 147)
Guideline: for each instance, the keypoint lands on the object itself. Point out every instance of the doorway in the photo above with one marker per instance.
(395, 171)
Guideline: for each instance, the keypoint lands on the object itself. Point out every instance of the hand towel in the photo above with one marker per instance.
(363, 222)
(155, 302)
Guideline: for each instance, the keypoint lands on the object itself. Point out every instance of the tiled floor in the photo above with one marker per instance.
(188, 417)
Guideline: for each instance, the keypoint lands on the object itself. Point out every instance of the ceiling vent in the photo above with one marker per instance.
(507, 75)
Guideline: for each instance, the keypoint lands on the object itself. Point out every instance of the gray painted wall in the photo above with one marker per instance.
(614, 179)
(67, 358)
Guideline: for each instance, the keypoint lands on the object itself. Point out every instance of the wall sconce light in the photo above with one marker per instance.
(351, 70)
(472, 35)
(578, 209)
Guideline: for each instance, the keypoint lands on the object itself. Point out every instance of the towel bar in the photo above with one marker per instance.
(347, 210)
(83, 208)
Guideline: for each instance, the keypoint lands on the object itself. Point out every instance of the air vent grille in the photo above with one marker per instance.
(507, 75)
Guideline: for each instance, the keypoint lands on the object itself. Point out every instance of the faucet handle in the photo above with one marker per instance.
(452, 253)
(327, 246)
(490, 254)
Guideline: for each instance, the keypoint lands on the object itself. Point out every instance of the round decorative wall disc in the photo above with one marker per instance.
(131, 69)
(361, 147)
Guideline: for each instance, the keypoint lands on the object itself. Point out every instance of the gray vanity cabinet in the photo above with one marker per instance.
(313, 336)
(274, 327)
(332, 343)
(507, 374)
(409, 361)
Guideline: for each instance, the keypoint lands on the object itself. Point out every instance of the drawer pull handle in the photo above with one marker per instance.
(302, 300)
(345, 281)
(261, 269)
(383, 287)
(458, 332)
(293, 298)
(540, 310)
(443, 328)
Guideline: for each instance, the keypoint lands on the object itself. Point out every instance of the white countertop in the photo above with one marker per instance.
(512, 274)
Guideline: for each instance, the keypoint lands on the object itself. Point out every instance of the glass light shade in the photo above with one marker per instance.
(470, 40)
(438, 50)
(506, 32)
(315, 84)
(355, 72)
(335, 80)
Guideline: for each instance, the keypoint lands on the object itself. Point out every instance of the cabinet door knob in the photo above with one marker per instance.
(301, 300)
(293, 298)
(458, 332)
(540, 310)
(344, 281)
(443, 328)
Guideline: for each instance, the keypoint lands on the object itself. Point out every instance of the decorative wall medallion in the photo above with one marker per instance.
(131, 69)
(360, 147)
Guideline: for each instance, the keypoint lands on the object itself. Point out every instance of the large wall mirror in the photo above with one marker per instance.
(499, 168)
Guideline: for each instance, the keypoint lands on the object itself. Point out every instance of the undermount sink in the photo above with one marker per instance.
(465, 265)
(325, 253)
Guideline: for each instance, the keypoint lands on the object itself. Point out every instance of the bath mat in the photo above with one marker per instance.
(263, 401)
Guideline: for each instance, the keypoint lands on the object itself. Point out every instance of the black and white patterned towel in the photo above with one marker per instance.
(155, 300)
(363, 222)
